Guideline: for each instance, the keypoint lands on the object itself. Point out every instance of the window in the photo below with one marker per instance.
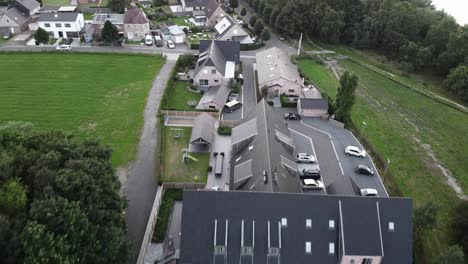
(291, 90)
(308, 223)
(284, 222)
(366, 261)
(308, 247)
(67, 25)
(46, 25)
(58, 25)
(391, 226)
(216, 81)
(331, 248)
(331, 224)
(203, 82)
(213, 71)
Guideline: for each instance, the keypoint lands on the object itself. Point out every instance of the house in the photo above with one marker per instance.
(214, 13)
(199, 17)
(27, 7)
(201, 137)
(228, 29)
(260, 227)
(177, 34)
(14, 21)
(191, 5)
(217, 63)
(262, 153)
(214, 99)
(311, 107)
(136, 24)
(62, 24)
(277, 73)
(99, 19)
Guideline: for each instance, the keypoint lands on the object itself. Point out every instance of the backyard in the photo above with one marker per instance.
(173, 169)
(194, 38)
(177, 96)
(417, 134)
(80, 93)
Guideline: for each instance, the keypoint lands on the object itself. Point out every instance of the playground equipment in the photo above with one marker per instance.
(186, 156)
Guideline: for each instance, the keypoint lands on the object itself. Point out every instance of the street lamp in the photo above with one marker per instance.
(364, 124)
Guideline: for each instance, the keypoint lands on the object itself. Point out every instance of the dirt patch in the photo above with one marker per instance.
(437, 166)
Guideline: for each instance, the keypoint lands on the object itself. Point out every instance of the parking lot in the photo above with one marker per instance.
(327, 143)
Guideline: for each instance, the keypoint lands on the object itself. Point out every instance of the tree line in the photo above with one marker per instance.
(59, 200)
(410, 32)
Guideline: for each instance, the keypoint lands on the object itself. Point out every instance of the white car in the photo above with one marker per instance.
(355, 151)
(149, 40)
(369, 192)
(63, 47)
(170, 44)
(311, 184)
(305, 158)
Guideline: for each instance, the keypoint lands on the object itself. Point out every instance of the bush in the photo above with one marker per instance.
(196, 29)
(224, 130)
(210, 169)
(164, 214)
(285, 101)
(194, 46)
(245, 25)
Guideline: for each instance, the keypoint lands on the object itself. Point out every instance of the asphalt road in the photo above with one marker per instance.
(141, 183)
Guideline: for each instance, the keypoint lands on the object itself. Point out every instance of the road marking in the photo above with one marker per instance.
(341, 168)
(310, 139)
(334, 150)
(329, 136)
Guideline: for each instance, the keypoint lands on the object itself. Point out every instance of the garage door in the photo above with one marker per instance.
(179, 39)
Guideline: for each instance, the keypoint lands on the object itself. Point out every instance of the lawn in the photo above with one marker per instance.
(180, 21)
(164, 214)
(173, 169)
(406, 126)
(56, 2)
(101, 96)
(177, 96)
(88, 16)
(319, 75)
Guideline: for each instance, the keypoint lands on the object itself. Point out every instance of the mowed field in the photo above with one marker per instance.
(97, 96)
(422, 138)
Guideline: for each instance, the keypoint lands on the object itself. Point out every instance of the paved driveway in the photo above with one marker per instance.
(141, 185)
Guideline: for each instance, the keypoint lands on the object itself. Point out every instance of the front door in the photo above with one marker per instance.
(60, 34)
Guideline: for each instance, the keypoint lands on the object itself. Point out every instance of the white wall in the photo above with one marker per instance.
(75, 26)
(206, 74)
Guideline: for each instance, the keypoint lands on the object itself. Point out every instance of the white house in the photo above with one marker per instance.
(62, 25)
(177, 34)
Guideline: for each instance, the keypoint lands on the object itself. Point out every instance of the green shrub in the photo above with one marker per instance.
(224, 130)
(164, 214)
(285, 101)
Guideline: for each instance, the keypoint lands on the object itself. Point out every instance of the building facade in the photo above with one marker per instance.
(62, 25)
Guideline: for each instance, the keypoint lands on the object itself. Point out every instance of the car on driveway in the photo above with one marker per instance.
(292, 116)
(7, 35)
(369, 192)
(63, 47)
(305, 158)
(311, 184)
(68, 41)
(364, 170)
(355, 151)
(170, 44)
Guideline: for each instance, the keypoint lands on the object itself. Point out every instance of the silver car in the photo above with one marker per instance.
(305, 158)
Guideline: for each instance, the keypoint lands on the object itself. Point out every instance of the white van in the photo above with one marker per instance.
(149, 40)
(232, 106)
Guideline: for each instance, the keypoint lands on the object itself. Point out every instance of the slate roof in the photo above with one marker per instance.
(49, 9)
(17, 16)
(275, 63)
(211, 8)
(65, 16)
(135, 16)
(217, 95)
(27, 5)
(264, 138)
(194, 3)
(308, 103)
(216, 53)
(361, 222)
(203, 127)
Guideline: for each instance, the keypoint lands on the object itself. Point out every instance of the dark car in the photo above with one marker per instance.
(68, 41)
(312, 173)
(364, 170)
(292, 116)
(265, 176)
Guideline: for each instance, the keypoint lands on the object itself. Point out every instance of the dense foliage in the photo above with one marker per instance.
(460, 226)
(345, 97)
(109, 33)
(410, 32)
(59, 200)
(41, 36)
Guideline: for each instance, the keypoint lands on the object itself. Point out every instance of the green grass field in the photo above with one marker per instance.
(178, 95)
(56, 2)
(93, 95)
(407, 127)
(319, 75)
(173, 169)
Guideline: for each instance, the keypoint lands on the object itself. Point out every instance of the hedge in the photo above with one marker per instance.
(224, 130)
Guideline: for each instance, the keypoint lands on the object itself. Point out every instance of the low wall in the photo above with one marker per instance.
(186, 114)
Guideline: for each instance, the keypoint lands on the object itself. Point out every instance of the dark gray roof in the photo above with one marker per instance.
(211, 8)
(216, 53)
(61, 16)
(26, 5)
(194, 3)
(203, 208)
(49, 9)
(16, 15)
(264, 138)
(203, 127)
(217, 95)
(308, 103)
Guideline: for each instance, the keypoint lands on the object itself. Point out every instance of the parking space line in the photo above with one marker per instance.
(334, 150)
(310, 139)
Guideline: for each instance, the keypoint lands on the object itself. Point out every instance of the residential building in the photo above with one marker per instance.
(199, 17)
(214, 99)
(201, 137)
(177, 34)
(217, 63)
(214, 13)
(62, 24)
(136, 24)
(277, 73)
(14, 21)
(260, 227)
(228, 29)
(27, 7)
(99, 19)
(310, 107)
(191, 5)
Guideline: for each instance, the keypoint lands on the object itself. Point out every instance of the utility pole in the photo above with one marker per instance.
(299, 46)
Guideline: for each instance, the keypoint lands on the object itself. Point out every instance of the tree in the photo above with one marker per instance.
(425, 217)
(41, 36)
(255, 4)
(243, 11)
(117, 5)
(267, 13)
(261, 7)
(109, 33)
(258, 28)
(457, 82)
(454, 255)
(459, 226)
(253, 20)
(266, 35)
(234, 3)
(12, 197)
(273, 17)
(345, 97)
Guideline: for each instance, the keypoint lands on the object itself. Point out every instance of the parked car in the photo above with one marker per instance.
(170, 44)
(305, 158)
(369, 192)
(311, 184)
(149, 40)
(265, 176)
(63, 47)
(68, 41)
(364, 170)
(232, 106)
(158, 41)
(7, 35)
(312, 172)
(355, 151)
(233, 97)
(292, 116)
